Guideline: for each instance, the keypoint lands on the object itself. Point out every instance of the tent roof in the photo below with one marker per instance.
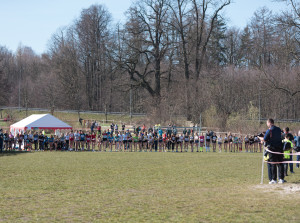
(42, 121)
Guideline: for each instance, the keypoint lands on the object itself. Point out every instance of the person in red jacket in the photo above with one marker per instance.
(201, 142)
(88, 138)
(93, 138)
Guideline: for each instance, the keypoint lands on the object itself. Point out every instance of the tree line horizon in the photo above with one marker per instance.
(169, 58)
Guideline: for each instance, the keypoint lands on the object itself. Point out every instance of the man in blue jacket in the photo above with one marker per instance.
(273, 139)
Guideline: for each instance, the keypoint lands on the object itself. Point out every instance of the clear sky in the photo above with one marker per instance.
(32, 22)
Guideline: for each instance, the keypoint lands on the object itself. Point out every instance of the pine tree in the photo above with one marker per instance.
(246, 45)
(217, 47)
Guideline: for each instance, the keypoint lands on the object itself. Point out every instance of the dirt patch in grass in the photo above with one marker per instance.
(283, 189)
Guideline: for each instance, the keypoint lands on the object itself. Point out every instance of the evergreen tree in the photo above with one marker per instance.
(246, 45)
(217, 47)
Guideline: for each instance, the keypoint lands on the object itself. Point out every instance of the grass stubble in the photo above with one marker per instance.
(142, 187)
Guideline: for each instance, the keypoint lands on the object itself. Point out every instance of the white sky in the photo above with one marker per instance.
(32, 22)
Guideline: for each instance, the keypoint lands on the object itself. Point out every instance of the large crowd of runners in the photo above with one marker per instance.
(138, 140)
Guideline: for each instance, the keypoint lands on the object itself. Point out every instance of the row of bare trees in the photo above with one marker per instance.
(170, 58)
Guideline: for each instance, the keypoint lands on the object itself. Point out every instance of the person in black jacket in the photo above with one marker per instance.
(273, 139)
(1, 140)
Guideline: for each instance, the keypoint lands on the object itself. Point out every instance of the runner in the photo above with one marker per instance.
(240, 144)
(140, 142)
(51, 142)
(150, 142)
(177, 142)
(186, 142)
(260, 145)
(197, 142)
(251, 143)
(129, 140)
(6, 140)
(255, 144)
(35, 140)
(160, 143)
(20, 140)
(214, 142)
(135, 139)
(155, 140)
(41, 141)
(173, 141)
(207, 148)
(67, 139)
(30, 137)
(62, 145)
(145, 142)
(201, 142)
(180, 141)
(72, 138)
(104, 141)
(110, 140)
(192, 142)
(77, 140)
(117, 142)
(225, 142)
(93, 138)
(230, 142)
(13, 141)
(235, 143)
(82, 140)
(220, 143)
(165, 142)
(88, 139)
(56, 141)
(246, 141)
(46, 142)
(99, 142)
(26, 141)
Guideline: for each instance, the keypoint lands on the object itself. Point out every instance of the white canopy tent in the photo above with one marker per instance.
(37, 122)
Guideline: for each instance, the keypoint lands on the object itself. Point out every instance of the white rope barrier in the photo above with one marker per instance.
(292, 154)
(283, 162)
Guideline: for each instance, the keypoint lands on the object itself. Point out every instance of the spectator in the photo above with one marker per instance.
(99, 129)
(207, 138)
(92, 126)
(174, 131)
(287, 147)
(112, 127)
(286, 132)
(273, 140)
(1, 140)
(297, 147)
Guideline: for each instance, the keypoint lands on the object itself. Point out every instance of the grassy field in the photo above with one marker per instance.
(142, 187)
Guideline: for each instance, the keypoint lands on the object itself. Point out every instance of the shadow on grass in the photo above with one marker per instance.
(296, 182)
(13, 153)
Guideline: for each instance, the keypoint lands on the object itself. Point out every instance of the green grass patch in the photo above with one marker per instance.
(140, 187)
